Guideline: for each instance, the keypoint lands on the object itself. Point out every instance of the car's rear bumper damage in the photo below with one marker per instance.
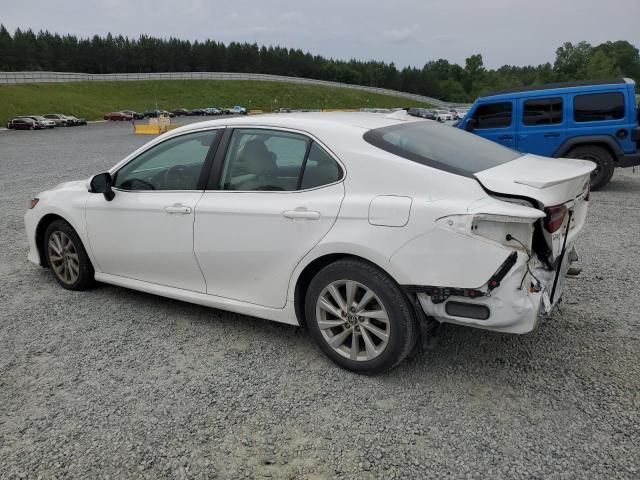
(511, 301)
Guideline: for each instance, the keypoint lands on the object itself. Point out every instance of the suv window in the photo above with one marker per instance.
(598, 107)
(544, 111)
(440, 146)
(174, 164)
(493, 115)
(273, 160)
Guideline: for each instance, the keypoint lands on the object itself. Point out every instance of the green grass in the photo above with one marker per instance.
(93, 99)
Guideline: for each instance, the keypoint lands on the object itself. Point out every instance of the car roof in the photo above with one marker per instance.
(559, 86)
(311, 121)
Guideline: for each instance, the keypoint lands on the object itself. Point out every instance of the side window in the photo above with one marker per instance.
(320, 169)
(493, 115)
(171, 165)
(264, 160)
(598, 107)
(545, 111)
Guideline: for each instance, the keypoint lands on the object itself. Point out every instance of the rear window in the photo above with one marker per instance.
(597, 107)
(440, 146)
(545, 111)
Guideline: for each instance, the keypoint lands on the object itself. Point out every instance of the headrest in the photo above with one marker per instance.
(258, 159)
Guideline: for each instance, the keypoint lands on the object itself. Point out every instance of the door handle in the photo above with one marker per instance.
(550, 135)
(505, 137)
(303, 214)
(178, 208)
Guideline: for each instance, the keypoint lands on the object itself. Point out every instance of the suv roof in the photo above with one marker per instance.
(554, 86)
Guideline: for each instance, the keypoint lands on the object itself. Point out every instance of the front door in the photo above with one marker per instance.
(146, 231)
(276, 195)
(495, 121)
(541, 129)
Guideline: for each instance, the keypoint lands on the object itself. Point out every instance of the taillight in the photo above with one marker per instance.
(555, 217)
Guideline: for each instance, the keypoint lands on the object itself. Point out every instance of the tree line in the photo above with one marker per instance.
(26, 50)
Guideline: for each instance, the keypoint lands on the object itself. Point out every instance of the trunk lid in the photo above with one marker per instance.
(552, 182)
(549, 181)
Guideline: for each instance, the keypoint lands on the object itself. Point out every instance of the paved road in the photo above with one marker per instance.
(122, 384)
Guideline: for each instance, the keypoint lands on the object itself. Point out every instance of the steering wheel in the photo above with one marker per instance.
(178, 176)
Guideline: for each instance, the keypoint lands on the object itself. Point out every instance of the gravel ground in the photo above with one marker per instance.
(113, 383)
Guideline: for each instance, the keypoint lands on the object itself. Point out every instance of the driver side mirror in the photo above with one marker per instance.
(102, 183)
(471, 125)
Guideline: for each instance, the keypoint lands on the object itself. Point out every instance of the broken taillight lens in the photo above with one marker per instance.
(555, 217)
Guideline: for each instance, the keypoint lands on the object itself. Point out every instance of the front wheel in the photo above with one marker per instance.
(359, 317)
(603, 160)
(67, 257)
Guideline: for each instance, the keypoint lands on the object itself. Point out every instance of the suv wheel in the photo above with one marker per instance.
(67, 257)
(603, 160)
(359, 317)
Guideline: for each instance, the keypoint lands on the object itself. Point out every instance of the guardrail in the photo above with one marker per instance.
(54, 77)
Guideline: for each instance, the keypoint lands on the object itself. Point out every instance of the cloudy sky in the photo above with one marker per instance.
(407, 32)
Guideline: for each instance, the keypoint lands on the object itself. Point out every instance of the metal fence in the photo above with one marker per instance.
(52, 77)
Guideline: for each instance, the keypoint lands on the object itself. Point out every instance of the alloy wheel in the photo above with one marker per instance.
(352, 320)
(63, 257)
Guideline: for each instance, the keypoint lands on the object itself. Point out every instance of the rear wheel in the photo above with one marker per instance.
(67, 257)
(359, 317)
(603, 160)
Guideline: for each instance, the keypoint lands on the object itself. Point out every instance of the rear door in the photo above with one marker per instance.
(495, 121)
(274, 195)
(541, 124)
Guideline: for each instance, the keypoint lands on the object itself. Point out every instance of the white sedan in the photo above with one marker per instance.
(357, 225)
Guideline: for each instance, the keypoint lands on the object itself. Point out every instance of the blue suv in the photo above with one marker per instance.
(597, 121)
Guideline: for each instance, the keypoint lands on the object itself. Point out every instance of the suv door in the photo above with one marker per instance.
(541, 126)
(274, 195)
(146, 231)
(494, 121)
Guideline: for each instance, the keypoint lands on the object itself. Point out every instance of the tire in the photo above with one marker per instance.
(80, 277)
(603, 160)
(372, 353)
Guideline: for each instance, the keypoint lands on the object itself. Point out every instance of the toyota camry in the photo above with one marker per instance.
(358, 226)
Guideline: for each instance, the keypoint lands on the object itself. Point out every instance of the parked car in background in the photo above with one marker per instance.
(152, 113)
(41, 122)
(22, 123)
(181, 112)
(76, 120)
(492, 252)
(238, 110)
(592, 120)
(168, 114)
(213, 111)
(422, 113)
(443, 115)
(59, 119)
(118, 117)
(134, 114)
(198, 112)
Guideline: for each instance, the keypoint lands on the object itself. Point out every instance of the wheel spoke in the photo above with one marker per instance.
(381, 334)
(366, 298)
(324, 324)
(368, 343)
(55, 258)
(338, 339)
(377, 314)
(351, 288)
(355, 344)
(335, 294)
(326, 305)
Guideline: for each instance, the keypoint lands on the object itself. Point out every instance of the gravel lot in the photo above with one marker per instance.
(113, 383)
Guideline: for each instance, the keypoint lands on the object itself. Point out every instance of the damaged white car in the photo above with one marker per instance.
(356, 225)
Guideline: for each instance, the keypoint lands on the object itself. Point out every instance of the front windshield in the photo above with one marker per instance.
(441, 146)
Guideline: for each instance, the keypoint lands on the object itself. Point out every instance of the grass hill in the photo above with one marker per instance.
(93, 99)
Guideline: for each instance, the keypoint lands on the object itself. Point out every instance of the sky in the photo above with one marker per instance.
(406, 32)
